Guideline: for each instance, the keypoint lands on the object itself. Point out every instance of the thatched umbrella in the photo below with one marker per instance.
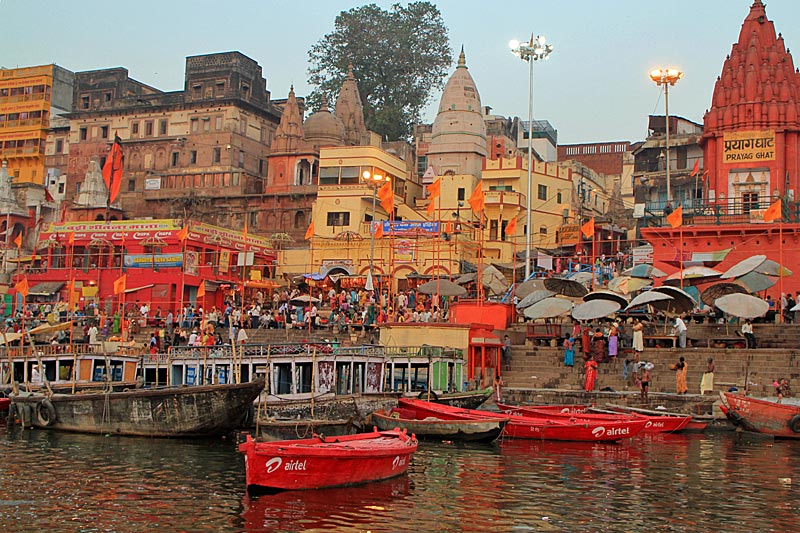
(606, 295)
(717, 290)
(565, 287)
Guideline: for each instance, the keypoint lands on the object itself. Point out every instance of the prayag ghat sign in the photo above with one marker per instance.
(755, 145)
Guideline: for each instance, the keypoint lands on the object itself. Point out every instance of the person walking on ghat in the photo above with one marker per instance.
(707, 383)
(681, 368)
(644, 383)
(638, 339)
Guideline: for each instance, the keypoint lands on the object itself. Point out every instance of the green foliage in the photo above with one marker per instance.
(400, 57)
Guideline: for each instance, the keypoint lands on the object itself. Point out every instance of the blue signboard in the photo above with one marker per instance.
(410, 227)
(190, 375)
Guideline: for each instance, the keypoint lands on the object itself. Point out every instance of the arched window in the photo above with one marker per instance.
(300, 219)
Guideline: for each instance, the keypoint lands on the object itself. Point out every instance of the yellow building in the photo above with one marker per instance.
(29, 97)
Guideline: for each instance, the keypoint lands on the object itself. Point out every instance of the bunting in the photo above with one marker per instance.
(120, 283)
(511, 227)
(478, 199)
(675, 219)
(588, 229)
(112, 170)
(22, 287)
(310, 231)
(773, 212)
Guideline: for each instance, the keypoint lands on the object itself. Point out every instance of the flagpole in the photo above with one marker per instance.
(594, 254)
(780, 257)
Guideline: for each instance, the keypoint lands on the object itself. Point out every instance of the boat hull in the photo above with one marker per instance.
(272, 430)
(431, 428)
(322, 462)
(465, 400)
(170, 412)
(762, 416)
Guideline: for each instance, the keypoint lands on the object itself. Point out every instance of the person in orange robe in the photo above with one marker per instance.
(591, 375)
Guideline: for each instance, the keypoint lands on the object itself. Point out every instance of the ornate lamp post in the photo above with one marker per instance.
(531, 52)
(666, 77)
(374, 181)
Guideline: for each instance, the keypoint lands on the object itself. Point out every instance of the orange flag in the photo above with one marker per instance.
(696, 168)
(431, 209)
(588, 228)
(378, 230)
(435, 188)
(71, 239)
(201, 289)
(310, 231)
(120, 283)
(675, 219)
(386, 195)
(244, 233)
(183, 233)
(511, 227)
(477, 199)
(18, 240)
(22, 287)
(773, 212)
(112, 170)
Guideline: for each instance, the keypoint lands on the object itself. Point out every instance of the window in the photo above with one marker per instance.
(162, 127)
(206, 124)
(195, 125)
(542, 230)
(61, 187)
(220, 88)
(339, 218)
(107, 96)
(749, 201)
(241, 158)
(216, 155)
(148, 128)
(261, 167)
(59, 146)
(104, 132)
(83, 133)
(85, 101)
(134, 128)
(422, 164)
(558, 198)
(461, 194)
(243, 126)
(175, 157)
(131, 185)
(245, 90)
(542, 192)
(329, 176)
(218, 123)
(193, 157)
(197, 90)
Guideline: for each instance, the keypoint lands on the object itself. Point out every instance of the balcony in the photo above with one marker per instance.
(506, 198)
(700, 212)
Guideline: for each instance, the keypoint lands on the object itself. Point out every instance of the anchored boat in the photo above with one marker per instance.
(762, 416)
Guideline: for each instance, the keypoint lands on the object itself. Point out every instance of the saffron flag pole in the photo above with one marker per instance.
(477, 201)
(775, 212)
(112, 172)
(675, 219)
(588, 231)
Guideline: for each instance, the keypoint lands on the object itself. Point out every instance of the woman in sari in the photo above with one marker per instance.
(569, 351)
(613, 342)
(681, 368)
(591, 375)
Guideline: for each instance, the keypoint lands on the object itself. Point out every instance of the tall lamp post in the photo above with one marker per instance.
(666, 77)
(531, 52)
(374, 181)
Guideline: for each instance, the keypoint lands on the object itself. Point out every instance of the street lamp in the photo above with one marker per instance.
(531, 52)
(373, 181)
(666, 77)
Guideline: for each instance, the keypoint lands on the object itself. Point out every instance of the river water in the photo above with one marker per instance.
(62, 482)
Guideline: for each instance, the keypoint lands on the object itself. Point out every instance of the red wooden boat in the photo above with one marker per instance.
(321, 462)
(659, 421)
(435, 428)
(526, 427)
(4, 403)
(762, 416)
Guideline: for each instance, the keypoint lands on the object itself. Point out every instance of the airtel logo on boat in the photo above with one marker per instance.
(273, 464)
(276, 462)
(398, 462)
(600, 431)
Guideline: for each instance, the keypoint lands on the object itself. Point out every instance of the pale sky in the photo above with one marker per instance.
(595, 86)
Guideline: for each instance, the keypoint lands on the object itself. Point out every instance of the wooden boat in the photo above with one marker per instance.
(303, 428)
(658, 421)
(328, 406)
(762, 416)
(465, 400)
(434, 428)
(555, 414)
(321, 462)
(168, 412)
(525, 427)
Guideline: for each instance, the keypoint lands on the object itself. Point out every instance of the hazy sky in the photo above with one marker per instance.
(594, 87)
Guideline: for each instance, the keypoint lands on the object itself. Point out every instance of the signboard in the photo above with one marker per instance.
(642, 254)
(404, 251)
(152, 184)
(192, 260)
(191, 375)
(149, 260)
(754, 145)
(757, 216)
(410, 227)
(569, 235)
(224, 261)
(244, 259)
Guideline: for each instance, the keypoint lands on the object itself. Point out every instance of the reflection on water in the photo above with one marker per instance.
(670, 483)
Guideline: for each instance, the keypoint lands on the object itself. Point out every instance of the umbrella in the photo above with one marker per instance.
(535, 296)
(695, 273)
(772, 268)
(742, 305)
(627, 284)
(647, 298)
(582, 277)
(565, 287)
(467, 278)
(303, 299)
(717, 290)
(10, 337)
(595, 309)
(47, 328)
(527, 287)
(755, 282)
(744, 267)
(681, 301)
(606, 295)
(443, 287)
(494, 281)
(645, 271)
(548, 308)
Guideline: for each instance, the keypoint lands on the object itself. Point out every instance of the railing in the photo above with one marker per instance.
(703, 212)
(260, 351)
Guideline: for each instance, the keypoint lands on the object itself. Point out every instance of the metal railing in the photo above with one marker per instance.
(704, 212)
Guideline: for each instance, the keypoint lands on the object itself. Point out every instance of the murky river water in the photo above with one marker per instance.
(56, 482)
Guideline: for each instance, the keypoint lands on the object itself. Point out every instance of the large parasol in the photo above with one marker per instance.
(648, 298)
(443, 287)
(606, 295)
(527, 287)
(535, 296)
(628, 284)
(755, 282)
(718, 290)
(644, 271)
(548, 308)
(595, 309)
(692, 274)
(742, 305)
(743, 267)
(681, 301)
(565, 287)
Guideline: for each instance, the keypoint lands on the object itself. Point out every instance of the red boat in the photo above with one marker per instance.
(762, 416)
(427, 427)
(321, 462)
(659, 421)
(528, 427)
(4, 403)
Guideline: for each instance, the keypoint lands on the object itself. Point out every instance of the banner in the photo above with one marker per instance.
(569, 235)
(410, 227)
(192, 260)
(754, 145)
(224, 261)
(148, 260)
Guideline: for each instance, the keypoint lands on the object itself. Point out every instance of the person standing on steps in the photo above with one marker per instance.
(498, 388)
(638, 339)
(591, 375)
(707, 383)
(680, 330)
(681, 368)
(569, 351)
(644, 383)
(505, 356)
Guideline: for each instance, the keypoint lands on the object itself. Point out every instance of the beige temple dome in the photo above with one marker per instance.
(323, 128)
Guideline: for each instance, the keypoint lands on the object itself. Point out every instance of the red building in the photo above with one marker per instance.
(750, 144)
(161, 269)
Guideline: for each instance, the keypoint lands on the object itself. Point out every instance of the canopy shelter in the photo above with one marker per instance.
(681, 301)
(694, 274)
(644, 271)
(755, 282)
(648, 298)
(443, 287)
(527, 287)
(535, 296)
(744, 267)
(548, 308)
(606, 295)
(717, 290)
(742, 305)
(46, 288)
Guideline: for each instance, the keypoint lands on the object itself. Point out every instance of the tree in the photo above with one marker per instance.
(399, 57)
